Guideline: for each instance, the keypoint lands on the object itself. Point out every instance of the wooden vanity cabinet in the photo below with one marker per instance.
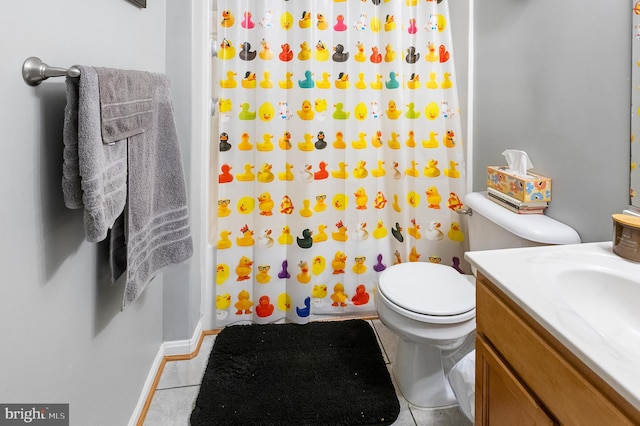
(525, 376)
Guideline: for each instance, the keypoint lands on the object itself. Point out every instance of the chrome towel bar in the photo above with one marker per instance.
(34, 71)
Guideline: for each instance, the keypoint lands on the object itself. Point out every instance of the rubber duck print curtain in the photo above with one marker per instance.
(339, 154)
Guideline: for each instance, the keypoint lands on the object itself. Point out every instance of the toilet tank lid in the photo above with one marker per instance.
(533, 227)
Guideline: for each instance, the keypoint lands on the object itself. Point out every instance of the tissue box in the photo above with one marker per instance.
(531, 188)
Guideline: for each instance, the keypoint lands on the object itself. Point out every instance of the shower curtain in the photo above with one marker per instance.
(339, 153)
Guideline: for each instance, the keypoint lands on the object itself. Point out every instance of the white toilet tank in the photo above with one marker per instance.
(491, 226)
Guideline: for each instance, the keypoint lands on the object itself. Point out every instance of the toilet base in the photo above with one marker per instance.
(421, 376)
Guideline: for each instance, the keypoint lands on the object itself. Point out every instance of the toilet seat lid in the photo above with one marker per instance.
(428, 289)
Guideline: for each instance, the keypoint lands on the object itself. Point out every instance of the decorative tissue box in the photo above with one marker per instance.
(532, 188)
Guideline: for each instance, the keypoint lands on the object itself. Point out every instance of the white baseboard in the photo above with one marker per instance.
(176, 347)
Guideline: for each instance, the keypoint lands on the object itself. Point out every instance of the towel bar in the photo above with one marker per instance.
(34, 71)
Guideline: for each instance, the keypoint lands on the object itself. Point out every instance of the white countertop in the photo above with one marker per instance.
(527, 276)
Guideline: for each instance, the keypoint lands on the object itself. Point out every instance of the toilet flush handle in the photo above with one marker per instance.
(466, 211)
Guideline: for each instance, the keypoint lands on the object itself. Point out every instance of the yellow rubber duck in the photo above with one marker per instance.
(410, 142)
(339, 143)
(247, 175)
(225, 105)
(305, 21)
(266, 82)
(305, 211)
(394, 143)
(432, 83)
(361, 142)
(227, 19)
(265, 204)
(339, 262)
(413, 199)
(455, 233)
(266, 53)
(320, 205)
(389, 23)
(432, 169)
(286, 21)
(247, 237)
(318, 266)
(306, 111)
(452, 171)
(264, 174)
(448, 140)
(360, 56)
(414, 81)
(446, 83)
(285, 141)
(392, 111)
(222, 273)
(413, 170)
(227, 51)
(361, 199)
(266, 144)
(379, 171)
(230, 82)
(341, 233)
(285, 237)
(287, 174)
(324, 83)
(377, 83)
(432, 54)
(244, 144)
(433, 197)
(360, 171)
(341, 173)
(342, 82)
(396, 204)
(376, 139)
(321, 22)
(304, 276)
(414, 230)
(339, 297)
(380, 231)
(321, 235)
(224, 242)
(340, 202)
(263, 277)
(321, 53)
(287, 83)
(389, 53)
(305, 52)
(360, 112)
(361, 84)
(432, 142)
(359, 267)
(249, 80)
(307, 145)
(414, 256)
(223, 207)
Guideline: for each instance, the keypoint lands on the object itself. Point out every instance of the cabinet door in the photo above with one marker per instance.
(501, 399)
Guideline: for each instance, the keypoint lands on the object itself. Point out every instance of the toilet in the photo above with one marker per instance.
(431, 307)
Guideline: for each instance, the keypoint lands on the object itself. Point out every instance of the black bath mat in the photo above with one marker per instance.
(321, 373)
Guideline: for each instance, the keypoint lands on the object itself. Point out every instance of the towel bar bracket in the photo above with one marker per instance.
(34, 71)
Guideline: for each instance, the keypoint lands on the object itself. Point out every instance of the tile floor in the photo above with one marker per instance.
(178, 388)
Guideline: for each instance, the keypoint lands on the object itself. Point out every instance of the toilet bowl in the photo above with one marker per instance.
(431, 308)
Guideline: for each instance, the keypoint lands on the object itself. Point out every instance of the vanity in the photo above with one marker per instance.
(558, 336)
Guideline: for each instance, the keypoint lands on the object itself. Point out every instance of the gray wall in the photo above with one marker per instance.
(552, 78)
(63, 336)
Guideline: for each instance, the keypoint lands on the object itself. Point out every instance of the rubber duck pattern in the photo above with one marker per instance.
(334, 161)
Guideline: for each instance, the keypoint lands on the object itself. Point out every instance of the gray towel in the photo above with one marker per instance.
(94, 174)
(137, 106)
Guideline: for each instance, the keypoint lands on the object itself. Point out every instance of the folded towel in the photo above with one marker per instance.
(94, 174)
(137, 106)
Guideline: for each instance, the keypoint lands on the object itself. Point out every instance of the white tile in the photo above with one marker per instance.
(171, 407)
(439, 417)
(187, 372)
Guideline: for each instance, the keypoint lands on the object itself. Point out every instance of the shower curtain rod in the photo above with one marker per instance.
(34, 71)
